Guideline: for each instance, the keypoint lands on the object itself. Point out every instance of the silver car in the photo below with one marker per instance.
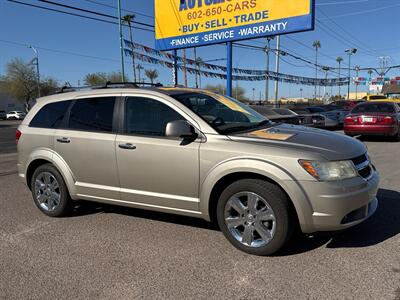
(195, 153)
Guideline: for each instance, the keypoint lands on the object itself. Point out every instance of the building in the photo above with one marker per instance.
(391, 90)
(7, 103)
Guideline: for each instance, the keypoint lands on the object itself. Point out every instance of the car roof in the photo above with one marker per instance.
(170, 91)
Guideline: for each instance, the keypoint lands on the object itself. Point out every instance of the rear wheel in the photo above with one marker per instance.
(49, 191)
(255, 216)
(396, 137)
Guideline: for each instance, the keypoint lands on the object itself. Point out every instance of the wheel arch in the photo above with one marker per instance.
(42, 157)
(229, 172)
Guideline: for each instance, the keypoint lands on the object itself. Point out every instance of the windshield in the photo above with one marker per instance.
(377, 97)
(315, 109)
(374, 107)
(225, 114)
(284, 111)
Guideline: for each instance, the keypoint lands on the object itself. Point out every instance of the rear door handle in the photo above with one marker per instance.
(64, 140)
(127, 146)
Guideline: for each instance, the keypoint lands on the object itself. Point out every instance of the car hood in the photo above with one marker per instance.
(332, 146)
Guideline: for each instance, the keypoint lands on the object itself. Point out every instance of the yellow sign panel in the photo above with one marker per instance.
(189, 23)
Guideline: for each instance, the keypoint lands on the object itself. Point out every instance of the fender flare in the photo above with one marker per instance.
(260, 167)
(53, 158)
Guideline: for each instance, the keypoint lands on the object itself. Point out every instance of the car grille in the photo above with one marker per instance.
(362, 165)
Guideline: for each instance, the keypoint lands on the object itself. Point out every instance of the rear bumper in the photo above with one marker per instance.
(340, 205)
(386, 130)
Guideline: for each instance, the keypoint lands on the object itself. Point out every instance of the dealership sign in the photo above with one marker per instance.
(191, 23)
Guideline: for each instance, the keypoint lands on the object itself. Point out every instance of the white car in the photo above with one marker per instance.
(15, 115)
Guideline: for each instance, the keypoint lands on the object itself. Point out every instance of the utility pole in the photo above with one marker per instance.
(196, 76)
(326, 69)
(349, 52)
(356, 81)
(129, 20)
(37, 69)
(278, 41)
(267, 51)
(254, 95)
(121, 40)
(184, 68)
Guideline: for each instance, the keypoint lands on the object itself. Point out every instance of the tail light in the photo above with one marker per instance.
(351, 120)
(17, 135)
(386, 120)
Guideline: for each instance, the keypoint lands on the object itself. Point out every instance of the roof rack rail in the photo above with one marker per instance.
(68, 88)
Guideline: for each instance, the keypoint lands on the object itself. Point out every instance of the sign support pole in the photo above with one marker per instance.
(229, 69)
(175, 68)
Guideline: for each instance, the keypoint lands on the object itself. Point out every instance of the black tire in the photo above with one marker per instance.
(65, 204)
(276, 199)
(396, 138)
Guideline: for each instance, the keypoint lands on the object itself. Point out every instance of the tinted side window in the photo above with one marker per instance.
(94, 114)
(50, 115)
(145, 116)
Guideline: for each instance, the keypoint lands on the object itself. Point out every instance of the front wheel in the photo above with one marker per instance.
(49, 192)
(255, 216)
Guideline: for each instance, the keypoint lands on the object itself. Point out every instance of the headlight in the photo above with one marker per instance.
(329, 171)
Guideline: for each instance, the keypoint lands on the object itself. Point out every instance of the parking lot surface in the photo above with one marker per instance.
(111, 252)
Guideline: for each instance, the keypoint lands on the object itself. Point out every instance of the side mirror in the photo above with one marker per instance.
(181, 129)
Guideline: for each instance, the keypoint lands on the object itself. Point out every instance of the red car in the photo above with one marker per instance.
(374, 118)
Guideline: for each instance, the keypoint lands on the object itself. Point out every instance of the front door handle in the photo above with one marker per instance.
(64, 140)
(127, 146)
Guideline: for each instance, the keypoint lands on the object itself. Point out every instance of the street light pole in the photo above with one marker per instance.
(349, 52)
(37, 69)
(121, 40)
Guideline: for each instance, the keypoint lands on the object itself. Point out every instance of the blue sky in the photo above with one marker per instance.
(70, 47)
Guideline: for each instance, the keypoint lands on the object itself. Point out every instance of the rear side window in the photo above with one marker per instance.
(94, 114)
(144, 116)
(374, 107)
(50, 115)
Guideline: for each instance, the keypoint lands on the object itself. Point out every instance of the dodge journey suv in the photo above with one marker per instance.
(194, 153)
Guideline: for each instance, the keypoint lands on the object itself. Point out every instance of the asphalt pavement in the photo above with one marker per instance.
(112, 252)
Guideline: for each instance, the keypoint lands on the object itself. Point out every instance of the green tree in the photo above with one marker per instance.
(238, 93)
(152, 74)
(20, 82)
(100, 78)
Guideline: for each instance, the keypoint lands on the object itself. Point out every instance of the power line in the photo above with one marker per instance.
(91, 12)
(114, 7)
(74, 14)
(363, 12)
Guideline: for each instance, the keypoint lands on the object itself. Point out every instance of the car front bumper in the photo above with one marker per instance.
(340, 205)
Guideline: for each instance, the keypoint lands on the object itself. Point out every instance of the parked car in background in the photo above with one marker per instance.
(278, 115)
(315, 119)
(374, 118)
(374, 97)
(346, 105)
(3, 115)
(16, 115)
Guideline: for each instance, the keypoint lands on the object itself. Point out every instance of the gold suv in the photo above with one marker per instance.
(195, 153)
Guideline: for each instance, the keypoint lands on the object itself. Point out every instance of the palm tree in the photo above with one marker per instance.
(152, 74)
(128, 19)
(316, 44)
(339, 60)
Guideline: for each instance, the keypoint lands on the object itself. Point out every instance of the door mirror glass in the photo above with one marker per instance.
(181, 129)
